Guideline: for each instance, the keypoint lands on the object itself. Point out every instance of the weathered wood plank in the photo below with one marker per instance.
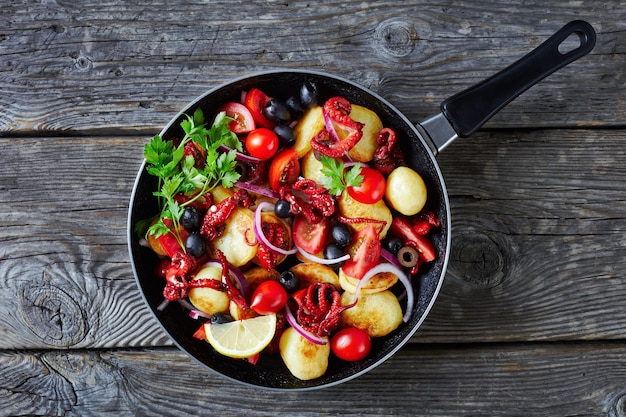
(483, 380)
(537, 254)
(128, 67)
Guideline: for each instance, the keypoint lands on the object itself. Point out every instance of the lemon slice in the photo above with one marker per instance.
(242, 338)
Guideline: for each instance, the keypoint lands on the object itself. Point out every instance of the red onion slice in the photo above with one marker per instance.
(402, 277)
(258, 229)
(240, 156)
(390, 257)
(257, 189)
(322, 261)
(291, 319)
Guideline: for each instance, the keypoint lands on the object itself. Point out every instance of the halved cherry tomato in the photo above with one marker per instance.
(372, 188)
(365, 250)
(284, 169)
(403, 228)
(243, 123)
(262, 143)
(167, 244)
(351, 344)
(268, 297)
(308, 236)
(255, 101)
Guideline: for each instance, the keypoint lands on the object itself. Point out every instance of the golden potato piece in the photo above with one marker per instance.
(365, 148)
(406, 191)
(311, 272)
(378, 314)
(236, 241)
(238, 313)
(257, 275)
(311, 167)
(209, 300)
(304, 359)
(377, 283)
(308, 126)
(351, 208)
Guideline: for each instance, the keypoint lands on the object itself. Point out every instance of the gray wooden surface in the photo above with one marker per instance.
(531, 318)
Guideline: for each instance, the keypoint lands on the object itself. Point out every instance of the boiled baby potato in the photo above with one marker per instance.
(236, 240)
(351, 208)
(378, 314)
(305, 360)
(312, 167)
(257, 275)
(406, 191)
(377, 283)
(209, 300)
(308, 126)
(365, 148)
(311, 272)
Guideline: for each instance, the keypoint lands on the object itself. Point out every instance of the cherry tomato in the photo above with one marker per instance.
(255, 101)
(372, 188)
(244, 122)
(365, 250)
(351, 344)
(308, 236)
(167, 244)
(269, 297)
(262, 143)
(285, 169)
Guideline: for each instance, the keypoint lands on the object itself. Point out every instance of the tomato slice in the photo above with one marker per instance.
(285, 169)
(310, 236)
(255, 101)
(372, 188)
(243, 123)
(365, 251)
(168, 241)
(403, 228)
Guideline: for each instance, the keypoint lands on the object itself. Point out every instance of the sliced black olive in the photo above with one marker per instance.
(289, 281)
(408, 256)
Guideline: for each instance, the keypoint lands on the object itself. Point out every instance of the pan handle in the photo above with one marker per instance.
(469, 110)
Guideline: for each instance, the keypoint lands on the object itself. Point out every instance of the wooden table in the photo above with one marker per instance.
(531, 318)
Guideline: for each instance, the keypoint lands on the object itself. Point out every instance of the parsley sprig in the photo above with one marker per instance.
(336, 178)
(177, 173)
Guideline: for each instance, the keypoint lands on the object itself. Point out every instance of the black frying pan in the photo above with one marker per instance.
(461, 116)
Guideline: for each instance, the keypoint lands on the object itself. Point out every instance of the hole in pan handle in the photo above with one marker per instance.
(468, 110)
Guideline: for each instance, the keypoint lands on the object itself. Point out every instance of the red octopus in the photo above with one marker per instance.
(214, 220)
(387, 156)
(338, 110)
(319, 308)
(309, 199)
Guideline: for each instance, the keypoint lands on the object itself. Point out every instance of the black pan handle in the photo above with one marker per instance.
(469, 110)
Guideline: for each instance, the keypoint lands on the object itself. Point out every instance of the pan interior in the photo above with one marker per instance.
(270, 372)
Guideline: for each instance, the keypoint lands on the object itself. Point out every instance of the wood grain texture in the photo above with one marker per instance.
(537, 250)
(507, 380)
(117, 67)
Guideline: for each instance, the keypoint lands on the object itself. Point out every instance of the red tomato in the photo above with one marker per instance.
(262, 143)
(244, 122)
(269, 297)
(372, 188)
(255, 101)
(351, 344)
(365, 250)
(308, 236)
(285, 169)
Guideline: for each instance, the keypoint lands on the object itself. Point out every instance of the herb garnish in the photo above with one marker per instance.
(336, 178)
(177, 173)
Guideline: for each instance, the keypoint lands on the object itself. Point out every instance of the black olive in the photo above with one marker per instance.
(282, 208)
(276, 111)
(341, 234)
(285, 134)
(220, 318)
(408, 256)
(191, 219)
(295, 107)
(289, 281)
(392, 244)
(195, 245)
(308, 94)
(333, 251)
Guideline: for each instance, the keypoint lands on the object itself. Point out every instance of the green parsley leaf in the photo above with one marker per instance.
(336, 178)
